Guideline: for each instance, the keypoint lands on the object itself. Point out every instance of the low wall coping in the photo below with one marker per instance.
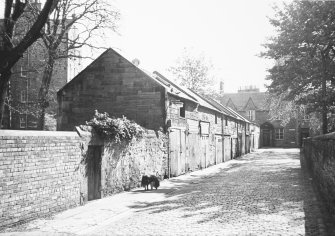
(37, 133)
(323, 137)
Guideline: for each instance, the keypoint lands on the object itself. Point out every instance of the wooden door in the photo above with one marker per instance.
(174, 151)
(182, 152)
(177, 152)
(266, 138)
(94, 172)
(218, 149)
(204, 152)
(227, 148)
(193, 150)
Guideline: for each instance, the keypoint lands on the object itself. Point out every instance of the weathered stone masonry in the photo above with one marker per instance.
(319, 156)
(38, 174)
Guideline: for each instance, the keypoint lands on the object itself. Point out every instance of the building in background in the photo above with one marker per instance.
(21, 110)
(201, 132)
(252, 104)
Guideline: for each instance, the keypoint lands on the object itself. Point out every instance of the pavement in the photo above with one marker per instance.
(263, 193)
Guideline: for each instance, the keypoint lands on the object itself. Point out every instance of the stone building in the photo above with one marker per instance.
(21, 110)
(200, 132)
(252, 104)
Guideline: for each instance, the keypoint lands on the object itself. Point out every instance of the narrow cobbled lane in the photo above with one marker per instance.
(261, 194)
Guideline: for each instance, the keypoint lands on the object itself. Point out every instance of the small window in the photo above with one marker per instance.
(22, 122)
(279, 134)
(251, 115)
(24, 97)
(182, 111)
(216, 118)
(23, 72)
(226, 121)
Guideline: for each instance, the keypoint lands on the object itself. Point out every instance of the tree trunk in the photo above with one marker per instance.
(44, 89)
(4, 79)
(324, 109)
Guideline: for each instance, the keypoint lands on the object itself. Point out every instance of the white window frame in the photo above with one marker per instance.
(251, 115)
(279, 134)
(24, 96)
(23, 73)
(23, 122)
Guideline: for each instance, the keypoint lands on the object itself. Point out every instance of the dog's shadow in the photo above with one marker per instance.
(162, 190)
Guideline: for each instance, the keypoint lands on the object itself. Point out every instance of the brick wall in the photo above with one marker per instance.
(39, 174)
(318, 156)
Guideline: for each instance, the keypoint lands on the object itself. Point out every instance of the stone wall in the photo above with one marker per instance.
(39, 174)
(123, 164)
(318, 155)
(114, 85)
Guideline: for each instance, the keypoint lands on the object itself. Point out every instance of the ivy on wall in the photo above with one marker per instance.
(115, 129)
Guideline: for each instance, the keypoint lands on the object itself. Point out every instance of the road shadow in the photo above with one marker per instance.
(256, 186)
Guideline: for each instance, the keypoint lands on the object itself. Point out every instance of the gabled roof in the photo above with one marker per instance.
(171, 87)
(231, 104)
(250, 105)
(240, 117)
(78, 76)
(183, 90)
(240, 100)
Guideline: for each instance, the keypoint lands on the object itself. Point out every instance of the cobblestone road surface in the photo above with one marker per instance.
(264, 193)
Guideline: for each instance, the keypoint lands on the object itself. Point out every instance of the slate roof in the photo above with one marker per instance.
(240, 100)
(181, 91)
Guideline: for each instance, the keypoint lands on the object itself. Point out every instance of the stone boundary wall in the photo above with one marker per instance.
(319, 157)
(39, 174)
(123, 164)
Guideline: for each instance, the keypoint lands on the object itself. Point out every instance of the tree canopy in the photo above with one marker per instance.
(193, 71)
(304, 49)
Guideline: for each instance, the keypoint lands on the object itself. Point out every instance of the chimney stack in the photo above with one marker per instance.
(221, 87)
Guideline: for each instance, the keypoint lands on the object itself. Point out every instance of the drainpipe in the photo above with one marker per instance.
(169, 154)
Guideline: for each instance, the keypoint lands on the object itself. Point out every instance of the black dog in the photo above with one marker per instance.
(152, 180)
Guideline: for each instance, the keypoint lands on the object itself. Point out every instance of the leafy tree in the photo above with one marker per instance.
(10, 50)
(88, 19)
(304, 50)
(193, 72)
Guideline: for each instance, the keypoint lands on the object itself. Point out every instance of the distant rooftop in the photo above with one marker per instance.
(248, 89)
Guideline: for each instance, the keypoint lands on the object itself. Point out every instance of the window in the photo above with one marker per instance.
(279, 134)
(22, 121)
(216, 118)
(182, 111)
(24, 97)
(251, 115)
(23, 72)
(226, 121)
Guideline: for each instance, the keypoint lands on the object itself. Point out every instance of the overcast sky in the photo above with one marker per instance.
(230, 33)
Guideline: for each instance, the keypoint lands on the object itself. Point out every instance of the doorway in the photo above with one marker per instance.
(266, 138)
(266, 135)
(94, 172)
